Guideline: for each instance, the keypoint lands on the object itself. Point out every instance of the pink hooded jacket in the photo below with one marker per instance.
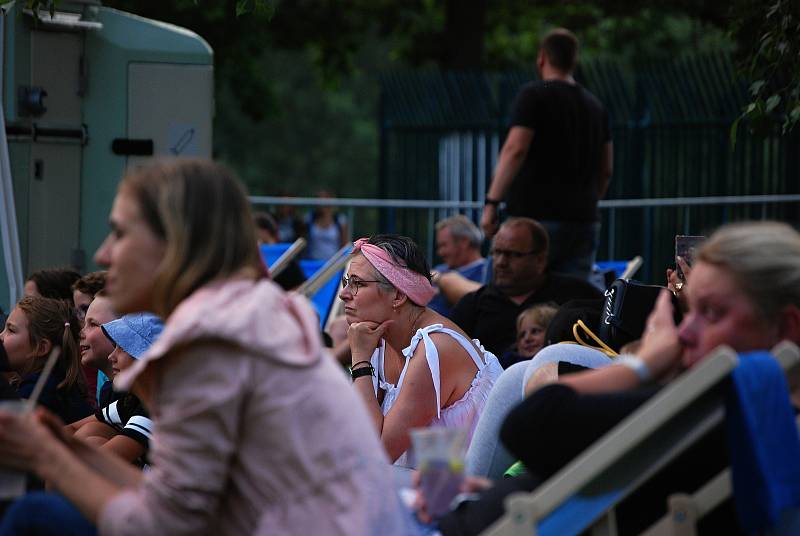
(257, 431)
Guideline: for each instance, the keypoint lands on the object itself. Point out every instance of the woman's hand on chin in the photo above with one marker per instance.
(363, 338)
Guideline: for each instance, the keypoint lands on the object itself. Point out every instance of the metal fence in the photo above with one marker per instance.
(370, 216)
(441, 133)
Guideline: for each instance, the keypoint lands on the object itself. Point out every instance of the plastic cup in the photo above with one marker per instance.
(12, 483)
(439, 453)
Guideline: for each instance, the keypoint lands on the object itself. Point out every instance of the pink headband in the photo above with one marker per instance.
(415, 286)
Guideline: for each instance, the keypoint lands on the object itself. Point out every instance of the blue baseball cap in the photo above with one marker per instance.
(134, 333)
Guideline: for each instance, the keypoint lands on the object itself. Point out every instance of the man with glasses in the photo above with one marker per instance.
(520, 279)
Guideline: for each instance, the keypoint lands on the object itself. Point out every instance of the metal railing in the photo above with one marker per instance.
(434, 210)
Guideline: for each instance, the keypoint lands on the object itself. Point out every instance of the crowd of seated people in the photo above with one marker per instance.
(255, 429)
(743, 291)
(246, 424)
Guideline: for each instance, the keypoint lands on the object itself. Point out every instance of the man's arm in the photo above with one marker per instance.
(606, 169)
(125, 447)
(512, 155)
(455, 286)
(75, 426)
(95, 433)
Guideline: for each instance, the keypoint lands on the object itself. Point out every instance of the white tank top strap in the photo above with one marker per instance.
(379, 380)
(468, 345)
(432, 356)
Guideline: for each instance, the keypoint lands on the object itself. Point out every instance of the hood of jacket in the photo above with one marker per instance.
(256, 316)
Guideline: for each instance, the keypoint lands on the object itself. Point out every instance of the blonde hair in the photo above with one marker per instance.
(54, 320)
(200, 209)
(764, 260)
(540, 314)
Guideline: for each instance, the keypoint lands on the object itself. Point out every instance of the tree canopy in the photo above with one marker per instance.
(295, 80)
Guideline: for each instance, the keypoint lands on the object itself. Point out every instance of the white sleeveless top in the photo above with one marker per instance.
(462, 413)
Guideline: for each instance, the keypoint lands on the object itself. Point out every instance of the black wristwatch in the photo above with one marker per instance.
(362, 371)
(488, 201)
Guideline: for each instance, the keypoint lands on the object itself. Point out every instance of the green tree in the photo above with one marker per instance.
(772, 64)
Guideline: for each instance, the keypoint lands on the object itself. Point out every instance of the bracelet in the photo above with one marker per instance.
(354, 365)
(363, 371)
(488, 201)
(636, 364)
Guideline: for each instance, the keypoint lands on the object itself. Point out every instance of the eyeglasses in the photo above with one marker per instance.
(355, 284)
(496, 252)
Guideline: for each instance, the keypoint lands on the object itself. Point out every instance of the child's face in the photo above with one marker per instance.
(530, 337)
(16, 340)
(95, 346)
(120, 360)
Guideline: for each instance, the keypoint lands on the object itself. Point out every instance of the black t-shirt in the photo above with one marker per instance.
(576, 420)
(128, 416)
(551, 427)
(491, 317)
(559, 178)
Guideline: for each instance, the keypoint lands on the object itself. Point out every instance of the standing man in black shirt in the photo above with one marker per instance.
(556, 162)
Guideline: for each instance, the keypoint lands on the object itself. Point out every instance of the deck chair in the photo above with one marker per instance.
(322, 286)
(278, 256)
(584, 493)
(686, 510)
(608, 271)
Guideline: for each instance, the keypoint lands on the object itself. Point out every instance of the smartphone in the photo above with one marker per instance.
(686, 246)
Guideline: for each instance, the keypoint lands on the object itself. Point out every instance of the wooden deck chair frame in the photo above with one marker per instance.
(321, 277)
(685, 510)
(632, 267)
(628, 455)
(283, 261)
(326, 271)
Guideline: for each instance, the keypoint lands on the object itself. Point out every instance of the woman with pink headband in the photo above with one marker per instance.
(444, 381)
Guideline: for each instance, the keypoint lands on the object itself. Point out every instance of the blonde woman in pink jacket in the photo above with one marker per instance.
(256, 430)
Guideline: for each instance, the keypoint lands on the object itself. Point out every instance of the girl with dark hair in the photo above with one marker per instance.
(52, 283)
(32, 330)
(85, 289)
(412, 366)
